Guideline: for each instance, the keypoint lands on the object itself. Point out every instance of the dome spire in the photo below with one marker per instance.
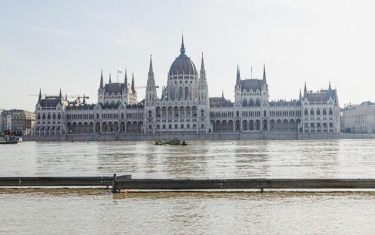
(182, 50)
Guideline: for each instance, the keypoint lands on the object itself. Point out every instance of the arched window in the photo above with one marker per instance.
(251, 102)
(149, 113)
(330, 111)
(324, 112)
(312, 112)
(306, 112)
(180, 93)
(318, 111)
(186, 93)
(244, 102)
(257, 102)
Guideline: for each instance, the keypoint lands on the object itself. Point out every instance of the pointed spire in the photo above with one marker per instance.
(329, 87)
(101, 79)
(60, 97)
(300, 95)
(182, 50)
(110, 80)
(151, 70)
(222, 93)
(84, 99)
(264, 74)
(238, 76)
(133, 88)
(305, 90)
(203, 70)
(126, 80)
(40, 95)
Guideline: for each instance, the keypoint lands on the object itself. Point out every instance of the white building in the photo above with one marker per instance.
(184, 107)
(321, 111)
(359, 118)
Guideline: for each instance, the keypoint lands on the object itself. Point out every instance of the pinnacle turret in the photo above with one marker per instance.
(264, 74)
(150, 70)
(40, 95)
(101, 79)
(133, 87)
(203, 70)
(238, 79)
(126, 81)
(60, 97)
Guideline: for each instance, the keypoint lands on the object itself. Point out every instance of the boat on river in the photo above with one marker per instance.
(170, 142)
(11, 140)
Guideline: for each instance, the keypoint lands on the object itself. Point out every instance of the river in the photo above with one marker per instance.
(98, 211)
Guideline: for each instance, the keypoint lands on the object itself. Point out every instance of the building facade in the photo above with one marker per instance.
(359, 118)
(184, 107)
(6, 116)
(19, 122)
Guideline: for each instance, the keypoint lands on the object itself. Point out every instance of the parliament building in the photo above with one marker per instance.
(184, 109)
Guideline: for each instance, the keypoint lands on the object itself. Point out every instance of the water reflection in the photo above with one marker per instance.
(200, 159)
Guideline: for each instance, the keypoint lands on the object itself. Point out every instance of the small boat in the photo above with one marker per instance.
(11, 140)
(170, 142)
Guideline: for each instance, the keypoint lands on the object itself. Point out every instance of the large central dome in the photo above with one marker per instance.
(182, 64)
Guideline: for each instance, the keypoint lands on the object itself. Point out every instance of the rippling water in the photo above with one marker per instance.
(88, 211)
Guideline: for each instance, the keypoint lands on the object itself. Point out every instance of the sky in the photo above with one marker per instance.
(64, 44)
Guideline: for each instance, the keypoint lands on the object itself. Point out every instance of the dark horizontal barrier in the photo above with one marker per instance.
(126, 182)
(170, 184)
(61, 181)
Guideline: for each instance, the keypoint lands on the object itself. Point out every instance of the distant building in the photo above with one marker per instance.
(19, 122)
(22, 122)
(6, 116)
(1, 121)
(359, 118)
(185, 108)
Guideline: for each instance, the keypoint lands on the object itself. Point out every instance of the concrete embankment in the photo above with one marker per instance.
(167, 136)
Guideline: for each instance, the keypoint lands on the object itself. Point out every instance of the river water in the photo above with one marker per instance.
(98, 211)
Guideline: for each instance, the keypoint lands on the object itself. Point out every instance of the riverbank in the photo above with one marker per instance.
(213, 136)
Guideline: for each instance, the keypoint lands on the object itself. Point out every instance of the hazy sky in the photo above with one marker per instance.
(50, 45)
